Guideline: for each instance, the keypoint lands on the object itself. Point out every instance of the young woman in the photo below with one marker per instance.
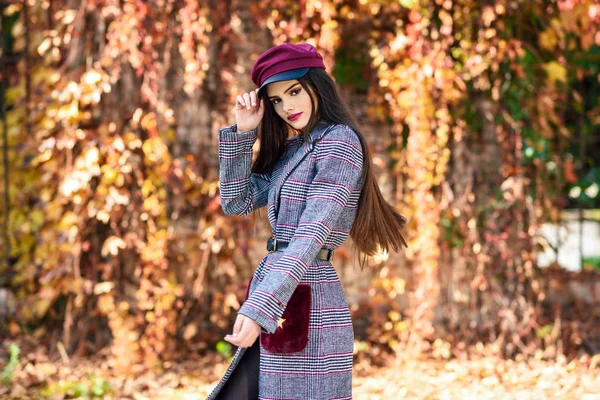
(314, 174)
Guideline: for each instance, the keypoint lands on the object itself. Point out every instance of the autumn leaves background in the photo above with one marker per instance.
(483, 117)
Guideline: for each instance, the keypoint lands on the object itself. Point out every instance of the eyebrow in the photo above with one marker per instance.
(287, 90)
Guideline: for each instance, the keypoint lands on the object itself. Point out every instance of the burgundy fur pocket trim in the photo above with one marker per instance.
(292, 336)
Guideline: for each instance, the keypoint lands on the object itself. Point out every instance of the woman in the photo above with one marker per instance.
(314, 174)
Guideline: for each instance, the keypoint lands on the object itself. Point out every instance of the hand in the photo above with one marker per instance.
(248, 111)
(245, 332)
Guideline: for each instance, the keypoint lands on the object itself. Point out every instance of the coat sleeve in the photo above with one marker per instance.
(336, 185)
(241, 190)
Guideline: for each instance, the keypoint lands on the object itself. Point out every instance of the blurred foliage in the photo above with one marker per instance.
(12, 363)
(95, 388)
(591, 263)
(487, 104)
(224, 349)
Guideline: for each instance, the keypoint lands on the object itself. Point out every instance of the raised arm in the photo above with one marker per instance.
(241, 190)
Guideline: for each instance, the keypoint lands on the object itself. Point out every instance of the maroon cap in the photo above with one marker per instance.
(282, 58)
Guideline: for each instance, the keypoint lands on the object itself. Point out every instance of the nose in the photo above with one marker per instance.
(288, 106)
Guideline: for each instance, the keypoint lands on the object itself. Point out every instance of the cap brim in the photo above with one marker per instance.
(282, 76)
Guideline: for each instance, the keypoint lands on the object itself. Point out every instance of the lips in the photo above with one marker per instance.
(294, 117)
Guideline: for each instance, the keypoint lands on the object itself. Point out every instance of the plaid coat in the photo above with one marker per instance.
(311, 195)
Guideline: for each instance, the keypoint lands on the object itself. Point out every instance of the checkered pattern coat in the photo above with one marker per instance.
(311, 196)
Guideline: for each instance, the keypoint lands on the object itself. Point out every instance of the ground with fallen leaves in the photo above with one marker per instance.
(39, 376)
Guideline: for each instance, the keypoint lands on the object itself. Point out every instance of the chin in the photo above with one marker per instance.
(300, 127)
(299, 124)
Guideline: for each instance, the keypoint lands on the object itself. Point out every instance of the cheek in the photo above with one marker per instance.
(279, 110)
(307, 104)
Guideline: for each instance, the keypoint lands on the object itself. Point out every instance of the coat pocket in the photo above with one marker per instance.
(292, 334)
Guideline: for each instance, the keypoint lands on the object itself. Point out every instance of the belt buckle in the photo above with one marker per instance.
(272, 244)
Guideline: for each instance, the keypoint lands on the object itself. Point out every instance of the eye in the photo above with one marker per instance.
(275, 101)
(295, 92)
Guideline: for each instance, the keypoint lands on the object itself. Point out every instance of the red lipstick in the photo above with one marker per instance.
(294, 117)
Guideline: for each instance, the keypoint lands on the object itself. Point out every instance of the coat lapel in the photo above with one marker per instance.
(320, 129)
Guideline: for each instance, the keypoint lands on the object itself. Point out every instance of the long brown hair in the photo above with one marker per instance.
(378, 226)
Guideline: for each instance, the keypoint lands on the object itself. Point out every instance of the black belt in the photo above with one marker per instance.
(273, 245)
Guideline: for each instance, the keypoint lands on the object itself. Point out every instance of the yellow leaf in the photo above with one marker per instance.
(68, 220)
(13, 93)
(408, 3)
(150, 317)
(399, 285)
(148, 188)
(103, 287)
(109, 173)
(149, 121)
(37, 218)
(92, 77)
(106, 304)
(103, 216)
(112, 245)
(548, 39)
(42, 157)
(119, 198)
(555, 71)
(47, 123)
(394, 316)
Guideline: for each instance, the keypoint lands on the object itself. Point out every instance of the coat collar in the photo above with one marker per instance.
(320, 129)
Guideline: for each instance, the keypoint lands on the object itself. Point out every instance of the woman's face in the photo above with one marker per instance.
(291, 102)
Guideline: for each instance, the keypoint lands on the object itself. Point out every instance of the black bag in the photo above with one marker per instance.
(243, 382)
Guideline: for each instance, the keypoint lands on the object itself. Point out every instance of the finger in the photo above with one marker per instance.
(240, 101)
(233, 340)
(247, 100)
(237, 326)
(253, 98)
(244, 335)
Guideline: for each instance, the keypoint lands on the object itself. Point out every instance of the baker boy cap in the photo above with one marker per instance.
(284, 62)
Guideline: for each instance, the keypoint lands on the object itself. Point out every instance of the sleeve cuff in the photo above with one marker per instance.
(230, 132)
(267, 324)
